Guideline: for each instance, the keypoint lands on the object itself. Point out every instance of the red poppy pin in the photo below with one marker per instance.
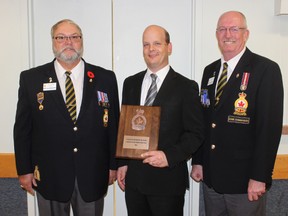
(90, 75)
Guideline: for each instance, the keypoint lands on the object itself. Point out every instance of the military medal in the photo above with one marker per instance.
(244, 82)
(205, 101)
(40, 99)
(241, 105)
(37, 173)
(103, 99)
(105, 118)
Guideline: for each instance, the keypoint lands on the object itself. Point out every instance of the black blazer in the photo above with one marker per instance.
(61, 150)
(242, 146)
(181, 133)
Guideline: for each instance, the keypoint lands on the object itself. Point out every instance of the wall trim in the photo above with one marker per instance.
(281, 167)
(7, 165)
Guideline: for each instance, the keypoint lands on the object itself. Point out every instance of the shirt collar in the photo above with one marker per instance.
(161, 74)
(75, 72)
(234, 61)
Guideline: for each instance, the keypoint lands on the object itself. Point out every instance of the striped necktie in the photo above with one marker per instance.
(152, 92)
(70, 96)
(221, 83)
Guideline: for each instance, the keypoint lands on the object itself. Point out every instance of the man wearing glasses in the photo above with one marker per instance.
(242, 100)
(66, 128)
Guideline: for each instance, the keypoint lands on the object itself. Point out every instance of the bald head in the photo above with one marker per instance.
(232, 34)
(159, 29)
(233, 15)
(156, 47)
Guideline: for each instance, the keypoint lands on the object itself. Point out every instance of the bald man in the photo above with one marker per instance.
(156, 185)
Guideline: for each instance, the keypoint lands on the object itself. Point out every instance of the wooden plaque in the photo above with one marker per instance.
(138, 131)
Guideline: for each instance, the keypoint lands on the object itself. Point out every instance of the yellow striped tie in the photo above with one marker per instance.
(70, 96)
(221, 83)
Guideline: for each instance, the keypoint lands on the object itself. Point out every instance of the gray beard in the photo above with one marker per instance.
(68, 59)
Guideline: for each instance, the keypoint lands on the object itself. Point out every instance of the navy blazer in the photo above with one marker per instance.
(181, 133)
(61, 151)
(243, 131)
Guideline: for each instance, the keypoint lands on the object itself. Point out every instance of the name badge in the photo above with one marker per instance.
(49, 86)
(210, 81)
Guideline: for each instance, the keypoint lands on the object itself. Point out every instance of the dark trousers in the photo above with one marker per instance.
(79, 206)
(139, 204)
(217, 204)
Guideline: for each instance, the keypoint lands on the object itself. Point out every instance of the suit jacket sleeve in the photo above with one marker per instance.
(114, 127)
(192, 122)
(268, 126)
(22, 130)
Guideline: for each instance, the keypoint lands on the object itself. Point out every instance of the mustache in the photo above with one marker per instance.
(68, 47)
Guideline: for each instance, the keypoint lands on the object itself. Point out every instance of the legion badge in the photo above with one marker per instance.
(241, 105)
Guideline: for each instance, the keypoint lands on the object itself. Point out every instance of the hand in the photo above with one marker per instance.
(112, 176)
(121, 175)
(26, 182)
(197, 173)
(155, 158)
(255, 189)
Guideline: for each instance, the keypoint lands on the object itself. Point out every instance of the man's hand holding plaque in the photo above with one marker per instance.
(155, 158)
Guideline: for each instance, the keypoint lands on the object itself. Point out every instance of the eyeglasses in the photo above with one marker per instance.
(73, 38)
(232, 29)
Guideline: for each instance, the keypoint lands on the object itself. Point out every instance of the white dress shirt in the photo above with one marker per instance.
(161, 74)
(77, 77)
(231, 65)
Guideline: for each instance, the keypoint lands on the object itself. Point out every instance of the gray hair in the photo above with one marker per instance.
(55, 26)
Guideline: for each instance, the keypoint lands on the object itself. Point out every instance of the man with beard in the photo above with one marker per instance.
(66, 128)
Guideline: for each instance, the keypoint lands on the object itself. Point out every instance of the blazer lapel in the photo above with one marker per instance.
(133, 90)
(56, 95)
(212, 88)
(138, 88)
(166, 88)
(88, 89)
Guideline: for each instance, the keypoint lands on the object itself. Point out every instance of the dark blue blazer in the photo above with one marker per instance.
(48, 138)
(242, 145)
